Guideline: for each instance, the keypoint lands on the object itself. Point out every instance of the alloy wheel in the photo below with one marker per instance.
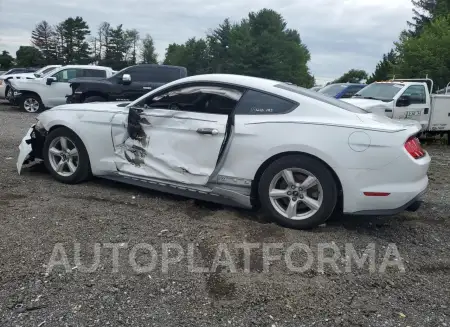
(31, 105)
(63, 156)
(296, 193)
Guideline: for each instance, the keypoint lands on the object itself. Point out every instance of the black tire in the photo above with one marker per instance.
(95, 98)
(83, 169)
(24, 99)
(319, 170)
(8, 98)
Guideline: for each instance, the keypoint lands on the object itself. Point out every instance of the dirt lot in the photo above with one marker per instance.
(37, 213)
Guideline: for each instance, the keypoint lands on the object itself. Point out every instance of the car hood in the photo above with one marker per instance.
(93, 106)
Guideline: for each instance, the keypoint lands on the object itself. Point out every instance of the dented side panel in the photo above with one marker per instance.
(165, 144)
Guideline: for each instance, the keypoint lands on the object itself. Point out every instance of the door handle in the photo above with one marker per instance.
(387, 110)
(211, 131)
(147, 87)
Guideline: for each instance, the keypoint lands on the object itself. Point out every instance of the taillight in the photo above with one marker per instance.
(412, 145)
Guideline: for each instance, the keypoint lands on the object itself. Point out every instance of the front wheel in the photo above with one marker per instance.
(31, 103)
(298, 191)
(65, 156)
(9, 94)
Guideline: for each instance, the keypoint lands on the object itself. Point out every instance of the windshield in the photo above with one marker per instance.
(321, 97)
(44, 71)
(333, 89)
(379, 91)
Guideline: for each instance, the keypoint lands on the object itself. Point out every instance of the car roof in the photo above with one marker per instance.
(86, 66)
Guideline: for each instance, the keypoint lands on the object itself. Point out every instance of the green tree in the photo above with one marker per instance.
(28, 56)
(194, 55)
(74, 45)
(424, 12)
(6, 60)
(43, 37)
(427, 54)
(148, 53)
(262, 46)
(385, 69)
(218, 42)
(132, 37)
(117, 48)
(352, 76)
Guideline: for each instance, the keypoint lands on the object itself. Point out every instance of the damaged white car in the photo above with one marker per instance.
(243, 141)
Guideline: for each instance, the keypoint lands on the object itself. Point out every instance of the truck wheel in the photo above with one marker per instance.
(31, 103)
(95, 99)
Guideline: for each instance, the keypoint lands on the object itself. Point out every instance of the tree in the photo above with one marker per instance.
(193, 55)
(424, 12)
(352, 76)
(28, 56)
(427, 54)
(262, 46)
(132, 37)
(74, 46)
(43, 37)
(6, 60)
(117, 48)
(385, 69)
(148, 53)
(219, 42)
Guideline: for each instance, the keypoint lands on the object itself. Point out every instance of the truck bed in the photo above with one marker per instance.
(440, 113)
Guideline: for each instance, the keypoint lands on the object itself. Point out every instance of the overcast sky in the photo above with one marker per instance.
(341, 34)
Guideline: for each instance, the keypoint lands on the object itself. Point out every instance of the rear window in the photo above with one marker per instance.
(321, 97)
(94, 73)
(333, 89)
(163, 74)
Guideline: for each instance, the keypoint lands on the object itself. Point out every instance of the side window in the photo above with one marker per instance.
(67, 74)
(48, 70)
(205, 99)
(416, 93)
(94, 73)
(137, 75)
(258, 103)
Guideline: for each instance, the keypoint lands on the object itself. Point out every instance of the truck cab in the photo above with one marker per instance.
(396, 99)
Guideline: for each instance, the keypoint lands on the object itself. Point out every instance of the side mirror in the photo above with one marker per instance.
(404, 101)
(50, 80)
(126, 79)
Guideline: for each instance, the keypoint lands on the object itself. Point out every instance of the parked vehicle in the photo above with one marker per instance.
(245, 141)
(407, 99)
(21, 70)
(5, 89)
(50, 90)
(127, 85)
(341, 90)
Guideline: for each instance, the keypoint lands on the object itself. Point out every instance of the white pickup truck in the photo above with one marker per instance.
(50, 90)
(407, 99)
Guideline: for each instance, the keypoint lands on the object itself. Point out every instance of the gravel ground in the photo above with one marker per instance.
(38, 213)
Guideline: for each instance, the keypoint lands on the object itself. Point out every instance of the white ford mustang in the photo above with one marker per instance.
(294, 153)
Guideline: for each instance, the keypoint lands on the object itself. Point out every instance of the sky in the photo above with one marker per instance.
(340, 34)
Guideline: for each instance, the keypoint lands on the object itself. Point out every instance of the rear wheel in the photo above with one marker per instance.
(95, 99)
(65, 156)
(31, 103)
(298, 191)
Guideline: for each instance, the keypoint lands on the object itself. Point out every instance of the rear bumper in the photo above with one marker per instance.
(404, 181)
(412, 205)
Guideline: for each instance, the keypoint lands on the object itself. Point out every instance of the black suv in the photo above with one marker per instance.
(127, 85)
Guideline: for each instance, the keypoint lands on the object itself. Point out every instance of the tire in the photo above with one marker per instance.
(94, 99)
(31, 103)
(8, 94)
(82, 170)
(322, 197)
